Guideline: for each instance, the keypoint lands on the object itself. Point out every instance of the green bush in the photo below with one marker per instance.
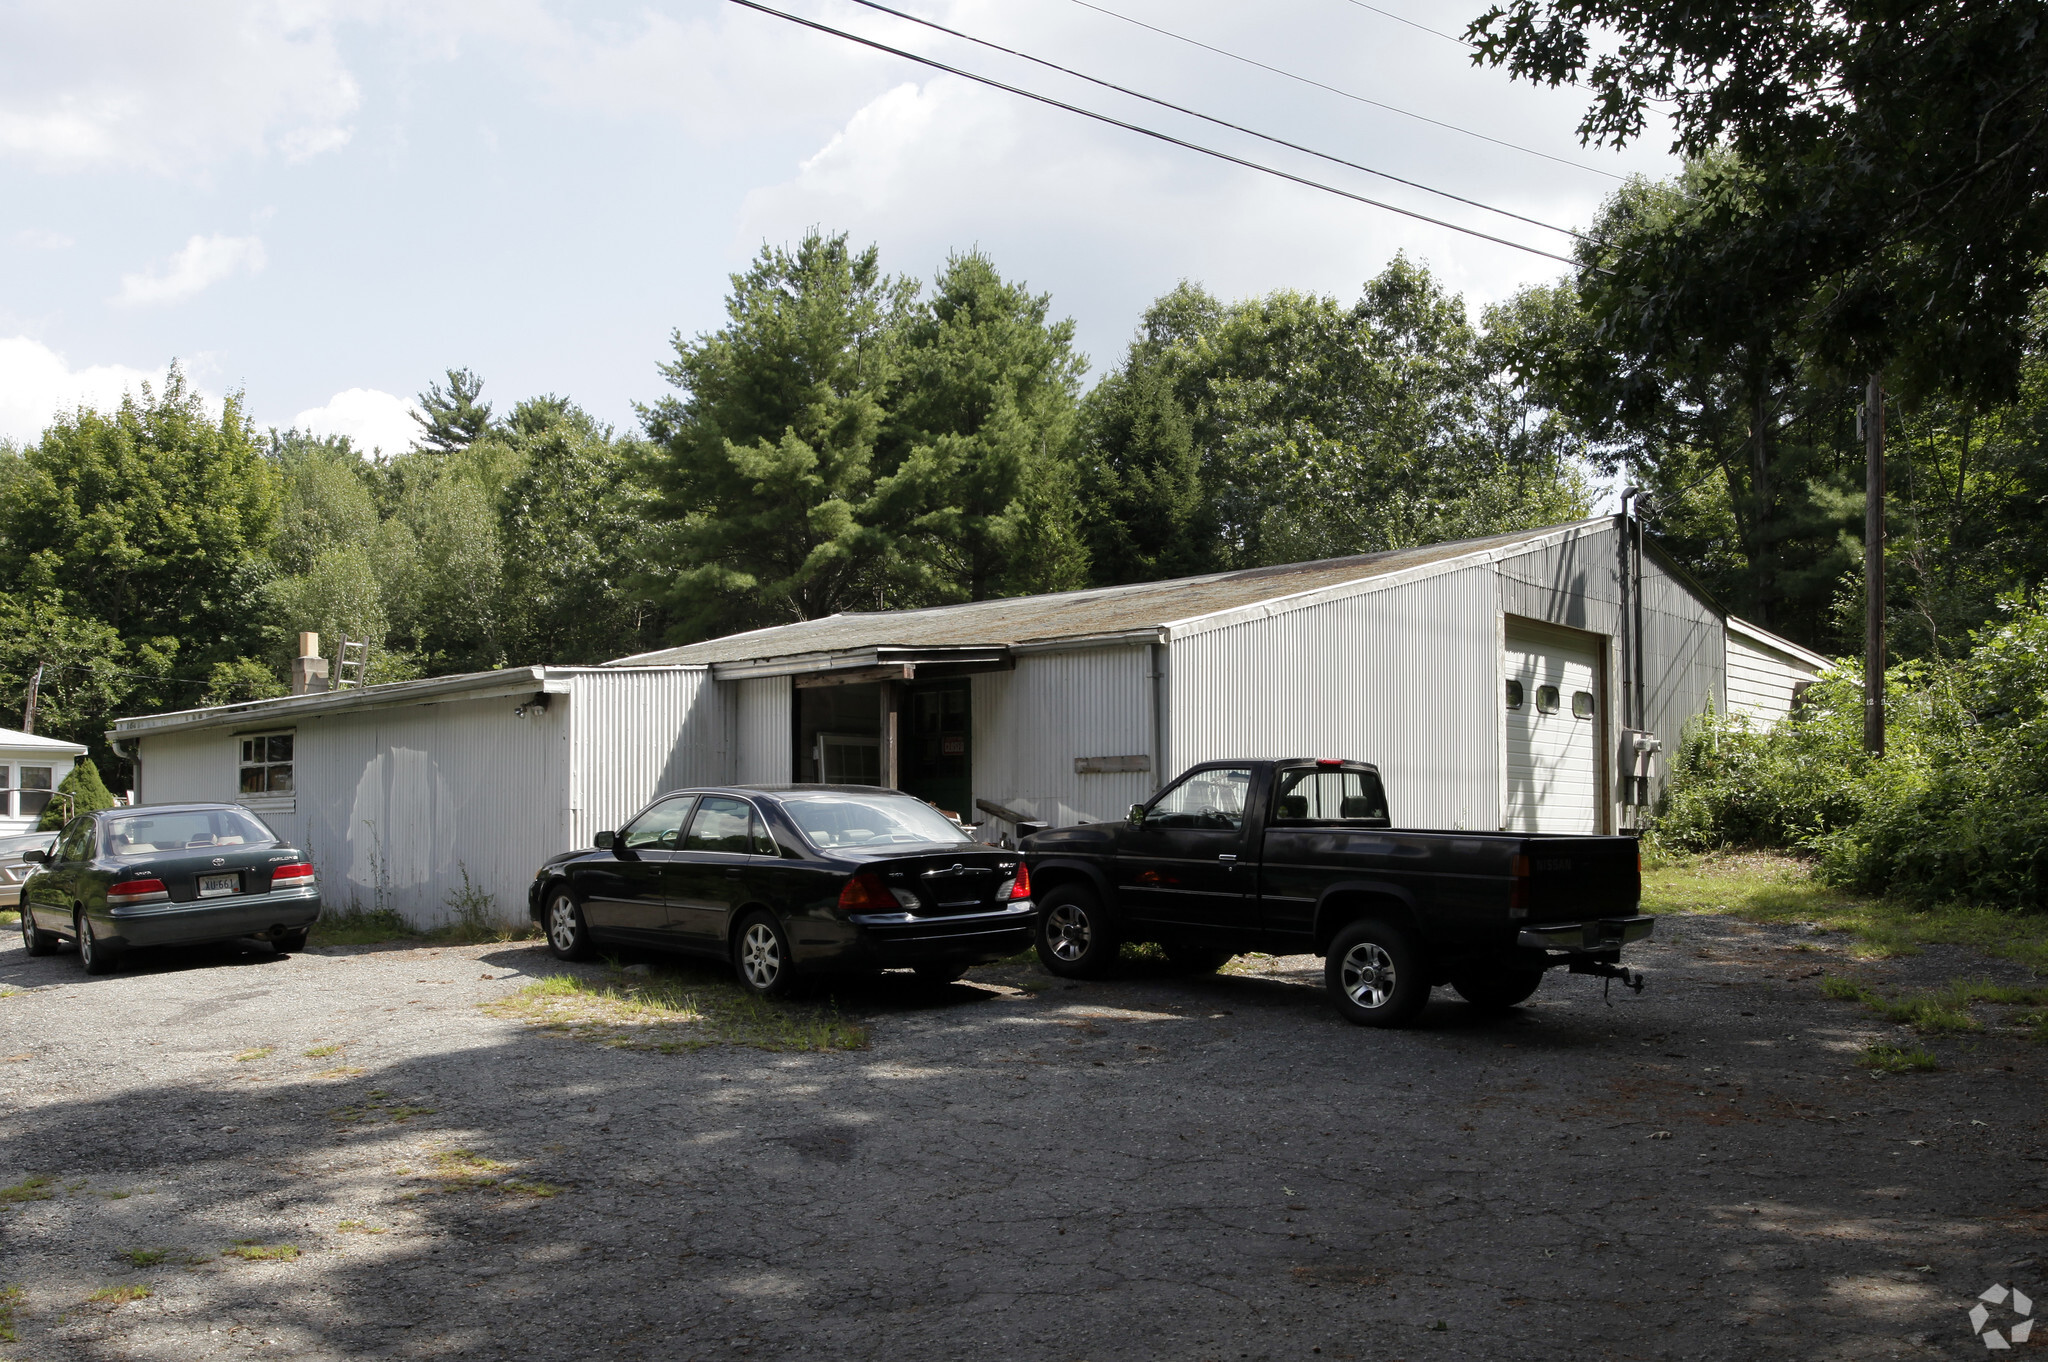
(88, 793)
(1955, 810)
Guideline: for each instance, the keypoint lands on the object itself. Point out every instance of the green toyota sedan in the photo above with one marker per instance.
(164, 875)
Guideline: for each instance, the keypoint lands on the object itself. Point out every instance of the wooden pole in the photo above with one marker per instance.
(1873, 566)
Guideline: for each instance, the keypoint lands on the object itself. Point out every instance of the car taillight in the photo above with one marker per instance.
(1019, 888)
(1518, 895)
(866, 891)
(136, 891)
(291, 876)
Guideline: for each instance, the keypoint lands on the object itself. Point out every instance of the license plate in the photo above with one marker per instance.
(213, 886)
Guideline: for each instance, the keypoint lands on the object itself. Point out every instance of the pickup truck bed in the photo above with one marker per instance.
(1298, 856)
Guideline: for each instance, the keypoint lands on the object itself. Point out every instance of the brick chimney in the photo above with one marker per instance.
(309, 669)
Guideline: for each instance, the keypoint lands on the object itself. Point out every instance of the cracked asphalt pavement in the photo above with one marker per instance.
(1147, 1167)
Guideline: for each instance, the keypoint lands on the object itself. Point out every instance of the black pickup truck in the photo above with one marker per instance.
(1299, 856)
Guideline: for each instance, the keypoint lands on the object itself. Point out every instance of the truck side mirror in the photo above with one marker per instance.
(1137, 815)
(605, 840)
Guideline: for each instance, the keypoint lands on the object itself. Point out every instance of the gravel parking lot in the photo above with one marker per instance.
(1150, 1167)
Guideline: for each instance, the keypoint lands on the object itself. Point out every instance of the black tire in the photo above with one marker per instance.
(1198, 959)
(1376, 974)
(284, 943)
(1075, 935)
(939, 976)
(568, 935)
(761, 957)
(34, 939)
(93, 957)
(1496, 988)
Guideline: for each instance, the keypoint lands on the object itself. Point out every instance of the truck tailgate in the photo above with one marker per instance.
(1570, 878)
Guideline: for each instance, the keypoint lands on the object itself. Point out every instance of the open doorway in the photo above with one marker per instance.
(937, 760)
(839, 734)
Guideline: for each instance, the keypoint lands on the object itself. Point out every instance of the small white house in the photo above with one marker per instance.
(1520, 681)
(31, 767)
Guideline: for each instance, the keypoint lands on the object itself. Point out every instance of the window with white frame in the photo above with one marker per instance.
(266, 763)
(36, 784)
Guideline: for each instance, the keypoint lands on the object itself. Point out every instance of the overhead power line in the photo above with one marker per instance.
(1404, 19)
(1153, 133)
(1219, 122)
(1347, 94)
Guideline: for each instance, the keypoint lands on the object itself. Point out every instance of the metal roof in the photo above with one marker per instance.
(1096, 614)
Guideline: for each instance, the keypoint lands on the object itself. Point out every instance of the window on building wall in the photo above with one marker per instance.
(1514, 695)
(35, 790)
(266, 763)
(1546, 699)
(1582, 704)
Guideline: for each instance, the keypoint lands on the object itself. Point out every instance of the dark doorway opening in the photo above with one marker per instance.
(938, 737)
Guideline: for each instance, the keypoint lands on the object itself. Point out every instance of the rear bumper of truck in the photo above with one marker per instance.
(1600, 936)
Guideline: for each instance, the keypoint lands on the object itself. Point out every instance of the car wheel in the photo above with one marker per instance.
(1198, 959)
(93, 956)
(287, 942)
(34, 939)
(568, 936)
(761, 957)
(1075, 936)
(1375, 975)
(1495, 988)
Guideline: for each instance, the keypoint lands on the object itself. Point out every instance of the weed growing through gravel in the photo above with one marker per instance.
(465, 1170)
(10, 992)
(1895, 1059)
(255, 1250)
(669, 1012)
(360, 1227)
(121, 1295)
(321, 1051)
(341, 1071)
(145, 1257)
(10, 1300)
(1941, 1011)
(1773, 887)
(376, 1106)
(28, 1189)
(250, 1056)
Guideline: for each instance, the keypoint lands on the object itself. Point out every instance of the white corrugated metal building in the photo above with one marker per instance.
(1496, 682)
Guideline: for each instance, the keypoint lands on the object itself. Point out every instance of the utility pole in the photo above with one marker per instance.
(28, 711)
(1873, 566)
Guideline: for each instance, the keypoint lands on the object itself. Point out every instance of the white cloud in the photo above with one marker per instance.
(92, 84)
(373, 420)
(36, 384)
(205, 261)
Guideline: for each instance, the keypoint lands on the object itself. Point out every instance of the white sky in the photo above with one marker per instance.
(327, 203)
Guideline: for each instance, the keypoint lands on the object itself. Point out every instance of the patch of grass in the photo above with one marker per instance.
(465, 1170)
(254, 1250)
(341, 1071)
(361, 1227)
(321, 1051)
(671, 1012)
(1896, 1059)
(380, 1109)
(362, 927)
(121, 1295)
(250, 1056)
(145, 1257)
(1773, 887)
(1250, 962)
(9, 918)
(11, 992)
(475, 920)
(10, 1301)
(28, 1189)
(1945, 1010)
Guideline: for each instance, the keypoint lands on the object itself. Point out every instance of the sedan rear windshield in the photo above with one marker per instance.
(840, 820)
(150, 834)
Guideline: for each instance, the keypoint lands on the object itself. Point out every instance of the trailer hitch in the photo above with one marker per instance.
(1602, 969)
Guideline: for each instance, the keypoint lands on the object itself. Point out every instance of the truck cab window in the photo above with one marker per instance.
(1212, 799)
(1311, 795)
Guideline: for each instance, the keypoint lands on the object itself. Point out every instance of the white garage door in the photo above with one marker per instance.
(1554, 723)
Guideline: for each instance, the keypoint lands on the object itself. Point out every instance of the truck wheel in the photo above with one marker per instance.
(1198, 959)
(1495, 988)
(1375, 975)
(1076, 939)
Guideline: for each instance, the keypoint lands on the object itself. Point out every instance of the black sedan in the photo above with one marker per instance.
(163, 875)
(790, 881)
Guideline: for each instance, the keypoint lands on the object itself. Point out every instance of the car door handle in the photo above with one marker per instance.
(732, 870)
(1226, 857)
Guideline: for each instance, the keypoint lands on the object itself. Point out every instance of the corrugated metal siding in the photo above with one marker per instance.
(1578, 583)
(1030, 724)
(1405, 677)
(395, 805)
(1761, 680)
(764, 729)
(633, 734)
